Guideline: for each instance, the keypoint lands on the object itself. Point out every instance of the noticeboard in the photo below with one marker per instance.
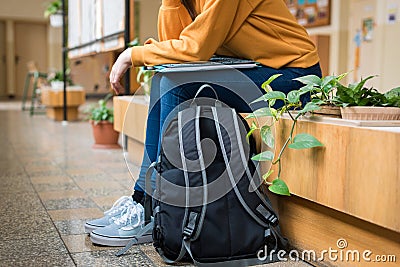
(310, 13)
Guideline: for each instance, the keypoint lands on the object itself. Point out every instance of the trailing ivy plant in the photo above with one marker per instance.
(293, 107)
(323, 89)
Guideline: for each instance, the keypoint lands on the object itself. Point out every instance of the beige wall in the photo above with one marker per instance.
(22, 9)
(15, 11)
(380, 56)
(148, 19)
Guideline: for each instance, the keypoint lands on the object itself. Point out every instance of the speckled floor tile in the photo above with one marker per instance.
(74, 214)
(116, 192)
(72, 227)
(27, 202)
(98, 185)
(114, 166)
(23, 249)
(56, 186)
(125, 176)
(16, 172)
(54, 172)
(93, 178)
(51, 179)
(152, 254)
(84, 172)
(81, 243)
(63, 260)
(106, 202)
(134, 257)
(42, 169)
(61, 194)
(22, 225)
(69, 203)
(15, 184)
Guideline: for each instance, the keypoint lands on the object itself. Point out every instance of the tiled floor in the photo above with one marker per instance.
(51, 182)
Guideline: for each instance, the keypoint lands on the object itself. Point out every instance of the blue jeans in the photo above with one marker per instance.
(170, 93)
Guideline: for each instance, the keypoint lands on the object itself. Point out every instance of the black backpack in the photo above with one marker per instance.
(206, 205)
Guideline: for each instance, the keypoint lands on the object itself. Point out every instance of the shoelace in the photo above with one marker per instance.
(128, 215)
(118, 205)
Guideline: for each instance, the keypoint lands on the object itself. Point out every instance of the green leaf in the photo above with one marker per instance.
(306, 89)
(279, 187)
(252, 129)
(313, 80)
(267, 136)
(267, 175)
(264, 156)
(270, 97)
(360, 85)
(277, 95)
(318, 101)
(262, 112)
(265, 84)
(302, 141)
(310, 106)
(293, 96)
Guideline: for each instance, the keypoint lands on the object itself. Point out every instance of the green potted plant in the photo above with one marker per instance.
(101, 118)
(293, 109)
(56, 79)
(322, 91)
(54, 12)
(358, 102)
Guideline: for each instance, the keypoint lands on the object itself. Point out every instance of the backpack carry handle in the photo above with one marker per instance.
(204, 86)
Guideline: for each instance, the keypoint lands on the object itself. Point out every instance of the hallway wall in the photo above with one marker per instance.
(17, 11)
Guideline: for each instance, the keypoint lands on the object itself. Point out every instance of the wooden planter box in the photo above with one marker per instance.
(370, 113)
(54, 102)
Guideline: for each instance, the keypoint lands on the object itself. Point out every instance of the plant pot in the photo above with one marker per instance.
(329, 111)
(370, 113)
(105, 137)
(57, 85)
(56, 20)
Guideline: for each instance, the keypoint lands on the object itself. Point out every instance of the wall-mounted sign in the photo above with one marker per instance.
(310, 13)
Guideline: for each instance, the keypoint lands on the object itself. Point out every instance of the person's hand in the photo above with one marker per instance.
(118, 70)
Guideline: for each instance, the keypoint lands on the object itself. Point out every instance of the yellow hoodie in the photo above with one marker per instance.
(261, 30)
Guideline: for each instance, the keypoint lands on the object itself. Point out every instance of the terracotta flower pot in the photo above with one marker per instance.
(370, 113)
(105, 136)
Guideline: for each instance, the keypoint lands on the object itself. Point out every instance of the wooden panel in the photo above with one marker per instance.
(91, 72)
(2, 59)
(135, 151)
(130, 113)
(57, 113)
(311, 226)
(356, 172)
(55, 98)
(30, 45)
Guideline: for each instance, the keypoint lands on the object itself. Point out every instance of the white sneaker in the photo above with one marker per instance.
(128, 226)
(110, 215)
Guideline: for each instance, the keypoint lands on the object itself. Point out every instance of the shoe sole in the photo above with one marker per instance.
(118, 242)
(89, 228)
